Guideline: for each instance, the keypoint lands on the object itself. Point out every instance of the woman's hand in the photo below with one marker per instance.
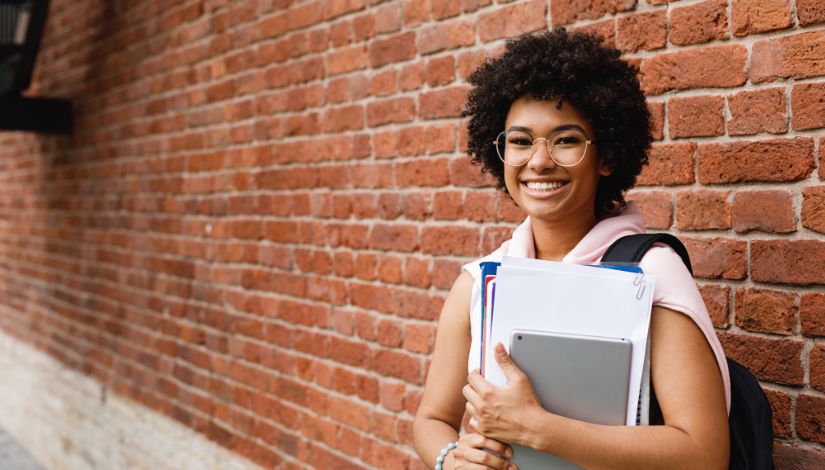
(501, 412)
(471, 454)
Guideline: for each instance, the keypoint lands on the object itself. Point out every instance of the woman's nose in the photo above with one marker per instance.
(541, 157)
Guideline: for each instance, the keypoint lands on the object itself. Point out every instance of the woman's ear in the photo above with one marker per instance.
(604, 168)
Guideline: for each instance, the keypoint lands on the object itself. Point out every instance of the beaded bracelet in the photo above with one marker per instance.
(440, 460)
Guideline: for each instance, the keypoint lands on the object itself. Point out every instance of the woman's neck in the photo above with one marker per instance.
(553, 240)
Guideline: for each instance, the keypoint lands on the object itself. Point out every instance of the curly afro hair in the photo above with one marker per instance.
(565, 67)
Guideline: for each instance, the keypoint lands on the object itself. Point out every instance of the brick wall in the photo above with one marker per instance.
(264, 203)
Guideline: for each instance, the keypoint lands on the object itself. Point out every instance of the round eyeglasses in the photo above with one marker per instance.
(566, 147)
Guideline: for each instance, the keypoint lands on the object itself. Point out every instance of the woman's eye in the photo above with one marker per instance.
(567, 140)
(520, 141)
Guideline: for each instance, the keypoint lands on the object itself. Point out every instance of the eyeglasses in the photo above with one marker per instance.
(566, 147)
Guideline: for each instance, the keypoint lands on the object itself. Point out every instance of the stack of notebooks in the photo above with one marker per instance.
(580, 333)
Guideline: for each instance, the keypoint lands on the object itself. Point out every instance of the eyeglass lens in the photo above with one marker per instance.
(566, 147)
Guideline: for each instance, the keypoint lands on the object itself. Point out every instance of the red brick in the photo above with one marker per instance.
(697, 116)
(440, 138)
(390, 111)
(419, 338)
(657, 120)
(604, 29)
(388, 18)
(450, 240)
(788, 261)
(394, 237)
(797, 457)
(480, 206)
(808, 106)
(468, 61)
(795, 56)
(443, 103)
(703, 210)
(384, 83)
(813, 207)
(771, 359)
(511, 20)
(669, 164)
(568, 11)
(416, 272)
(447, 205)
(717, 301)
(812, 314)
(708, 67)
(421, 172)
(410, 141)
(392, 396)
(398, 364)
(346, 60)
(656, 208)
(392, 49)
(443, 36)
(444, 273)
(698, 23)
(642, 31)
(816, 359)
(440, 71)
(810, 418)
(411, 76)
(760, 16)
(767, 211)
(758, 111)
(417, 206)
(766, 311)
(717, 257)
(343, 118)
(463, 173)
(781, 412)
(416, 12)
(508, 211)
(810, 12)
(737, 162)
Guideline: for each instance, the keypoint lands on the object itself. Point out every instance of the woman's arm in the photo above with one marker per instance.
(689, 389)
(438, 419)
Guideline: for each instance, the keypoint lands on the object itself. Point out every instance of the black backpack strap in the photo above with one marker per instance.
(631, 248)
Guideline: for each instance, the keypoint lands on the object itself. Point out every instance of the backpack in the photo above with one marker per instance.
(751, 428)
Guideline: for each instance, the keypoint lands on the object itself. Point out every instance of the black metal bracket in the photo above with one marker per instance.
(49, 115)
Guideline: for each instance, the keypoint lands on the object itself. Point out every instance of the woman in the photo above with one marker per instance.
(561, 122)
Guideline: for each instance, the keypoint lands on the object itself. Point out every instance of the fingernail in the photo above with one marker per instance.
(508, 453)
(511, 467)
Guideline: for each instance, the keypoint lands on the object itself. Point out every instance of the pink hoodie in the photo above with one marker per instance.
(675, 287)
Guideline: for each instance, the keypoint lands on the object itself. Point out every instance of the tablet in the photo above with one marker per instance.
(577, 376)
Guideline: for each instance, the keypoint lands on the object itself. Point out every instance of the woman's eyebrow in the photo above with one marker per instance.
(563, 127)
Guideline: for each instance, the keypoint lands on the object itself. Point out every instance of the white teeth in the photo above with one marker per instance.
(540, 186)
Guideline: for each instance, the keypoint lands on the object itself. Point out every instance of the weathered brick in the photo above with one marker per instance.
(452, 240)
(767, 160)
(810, 12)
(808, 106)
(788, 261)
(813, 208)
(568, 11)
(717, 301)
(708, 67)
(698, 23)
(513, 19)
(797, 457)
(656, 208)
(421, 172)
(605, 29)
(390, 110)
(657, 120)
(758, 111)
(771, 359)
(440, 71)
(781, 412)
(812, 314)
(766, 311)
(717, 257)
(760, 16)
(443, 36)
(395, 48)
(697, 116)
(810, 418)
(442, 103)
(816, 360)
(703, 210)
(767, 211)
(669, 164)
(795, 56)
(642, 31)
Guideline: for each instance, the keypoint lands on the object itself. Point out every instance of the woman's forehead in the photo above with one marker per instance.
(538, 115)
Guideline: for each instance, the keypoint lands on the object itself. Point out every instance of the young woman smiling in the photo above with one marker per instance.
(561, 122)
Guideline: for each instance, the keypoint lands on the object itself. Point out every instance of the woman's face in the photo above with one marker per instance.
(542, 188)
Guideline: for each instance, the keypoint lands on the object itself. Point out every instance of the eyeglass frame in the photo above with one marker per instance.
(587, 142)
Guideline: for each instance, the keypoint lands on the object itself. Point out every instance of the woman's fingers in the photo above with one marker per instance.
(475, 449)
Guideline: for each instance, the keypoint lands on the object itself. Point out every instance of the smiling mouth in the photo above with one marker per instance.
(544, 186)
